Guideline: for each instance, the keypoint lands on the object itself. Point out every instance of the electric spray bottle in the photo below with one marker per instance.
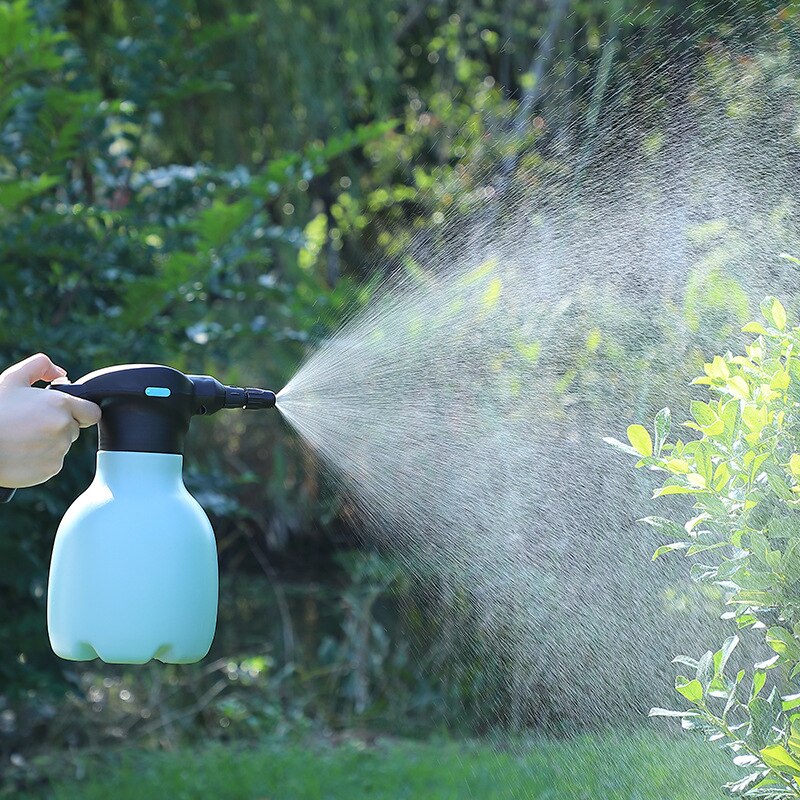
(133, 574)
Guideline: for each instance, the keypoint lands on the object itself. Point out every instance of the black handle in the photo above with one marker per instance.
(147, 407)
(6, 494)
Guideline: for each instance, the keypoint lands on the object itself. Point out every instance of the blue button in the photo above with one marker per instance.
(157, 391)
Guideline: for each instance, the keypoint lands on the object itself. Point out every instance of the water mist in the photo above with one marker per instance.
(463, 409)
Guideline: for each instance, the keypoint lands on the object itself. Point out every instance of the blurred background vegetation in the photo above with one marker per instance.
(216, 185)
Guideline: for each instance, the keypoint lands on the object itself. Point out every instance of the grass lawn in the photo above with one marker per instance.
(642, 766)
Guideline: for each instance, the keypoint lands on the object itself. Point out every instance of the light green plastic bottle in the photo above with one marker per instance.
(134, 569)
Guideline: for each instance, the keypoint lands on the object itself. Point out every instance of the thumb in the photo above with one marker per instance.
(35, 368)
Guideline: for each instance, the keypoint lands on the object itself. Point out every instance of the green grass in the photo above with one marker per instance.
(643, 766)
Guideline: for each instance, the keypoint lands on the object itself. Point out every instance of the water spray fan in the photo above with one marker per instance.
(134, 569)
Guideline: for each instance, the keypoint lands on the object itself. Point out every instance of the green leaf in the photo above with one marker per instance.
(691, 690)
(770, 663)
(779, 486)
(616, 443)
(733, 695)
(779, 314)
(667, 526)
(754, 327)
(773, 311)
(15, 193)
(670, 548)
(703, 413)
(759, 679)
(721, 477)
(217, 224)
(687, 661)
(738, 387)
(790, 563)
(742, 786)
(707, 419)
(783, 642)
(665, 712)
(675, 489)
(759, 731)
(779, 758)
(702, 460)
(640, 440)
(790, 702)
(663, 423)
(722, 656)
(705, 670)
(794, 734)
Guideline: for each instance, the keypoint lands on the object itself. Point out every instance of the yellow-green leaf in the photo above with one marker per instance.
(492, 293)
(779, 314)
(794, 465)
(669, 548)
(671, 489)
(696, 480)
(717, 368)
(691, 690)
(754, 417)
(640, 440)
(778, 757)
(780, 380)
(754, 327)
(738, 387)
(721, 476)
(677, 465)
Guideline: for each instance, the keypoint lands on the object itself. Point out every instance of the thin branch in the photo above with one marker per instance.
(533, 90)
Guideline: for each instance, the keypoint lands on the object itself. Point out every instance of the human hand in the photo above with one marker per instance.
(37, 427)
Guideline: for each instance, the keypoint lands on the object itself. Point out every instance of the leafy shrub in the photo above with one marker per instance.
(742, 474)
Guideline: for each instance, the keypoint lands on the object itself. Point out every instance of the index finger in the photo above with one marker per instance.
(84, 412)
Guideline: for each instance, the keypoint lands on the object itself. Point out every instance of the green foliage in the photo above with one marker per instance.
(742, 475)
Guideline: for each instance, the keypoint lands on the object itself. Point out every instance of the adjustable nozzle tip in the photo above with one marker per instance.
(236, 397)
(259, 398)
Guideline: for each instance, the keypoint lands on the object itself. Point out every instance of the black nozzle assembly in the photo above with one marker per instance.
(147, 407)
(248, 398)
(210, 396)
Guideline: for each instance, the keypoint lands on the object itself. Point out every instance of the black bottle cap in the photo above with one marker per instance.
(146, 407)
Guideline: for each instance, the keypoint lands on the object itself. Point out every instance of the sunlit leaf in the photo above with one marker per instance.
(691, 690)
(640, 440)
(779, 314)
(778, 757)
